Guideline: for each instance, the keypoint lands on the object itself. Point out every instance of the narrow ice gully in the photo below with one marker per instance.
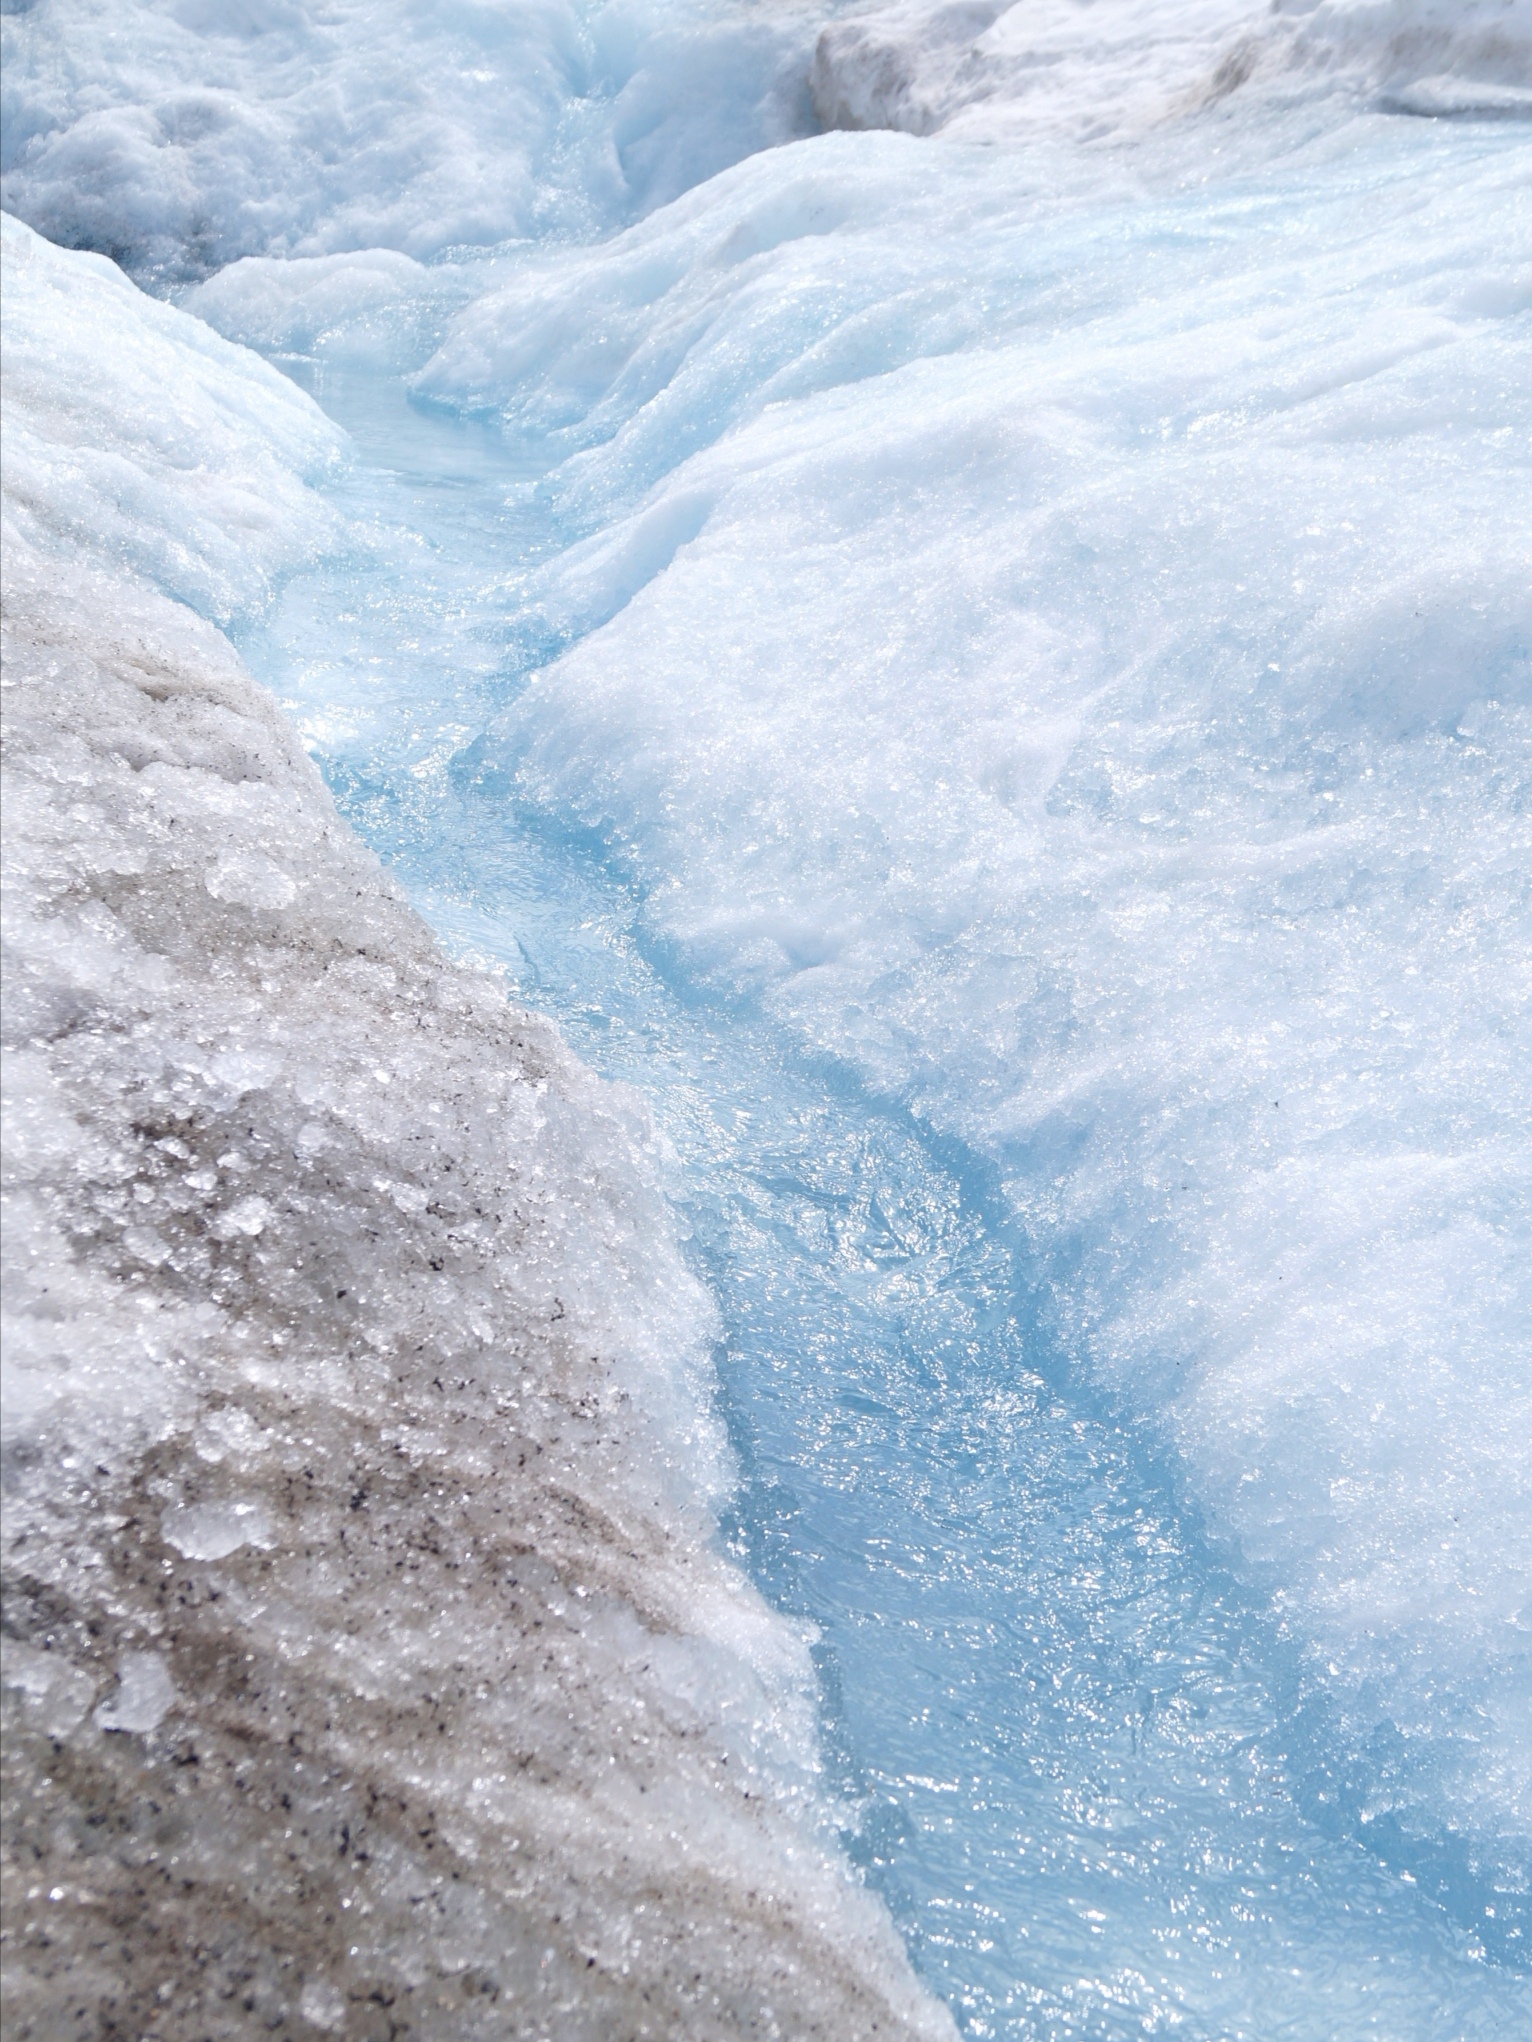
(993, 688)
(766, 839)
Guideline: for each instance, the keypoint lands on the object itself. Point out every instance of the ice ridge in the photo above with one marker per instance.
(1117, 70)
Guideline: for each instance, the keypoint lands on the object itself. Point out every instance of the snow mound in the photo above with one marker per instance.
(201, 133)
(138, 436)
(1073, 667)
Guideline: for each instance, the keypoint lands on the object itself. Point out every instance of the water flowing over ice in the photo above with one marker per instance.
(1025, 622)
(1068, 731)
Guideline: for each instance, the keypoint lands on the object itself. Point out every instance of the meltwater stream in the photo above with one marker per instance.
(990, 677)
(1073, 1755)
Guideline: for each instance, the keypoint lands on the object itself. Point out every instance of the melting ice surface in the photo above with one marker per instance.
(993, 685)
(1031, 782)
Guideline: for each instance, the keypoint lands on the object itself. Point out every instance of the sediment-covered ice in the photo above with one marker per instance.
(182, 137)
(369, 1666)
(1074, 668)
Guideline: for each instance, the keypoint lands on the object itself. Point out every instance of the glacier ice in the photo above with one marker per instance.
(144, 1695)
(1121, 71)
(368, 1641)
(139, 436)
(195, 134)
(1075, 671)
(1034, 611)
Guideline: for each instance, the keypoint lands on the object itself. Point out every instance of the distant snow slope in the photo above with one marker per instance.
(1114, 69)
(178, 137)
(366, 1641)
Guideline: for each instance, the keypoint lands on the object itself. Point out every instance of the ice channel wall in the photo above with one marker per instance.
(370, 1664)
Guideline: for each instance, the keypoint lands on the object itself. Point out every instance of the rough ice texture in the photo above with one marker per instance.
(1092, 70)
(1075, 670)
(142, 437)
(187, 135)
(369, 1665)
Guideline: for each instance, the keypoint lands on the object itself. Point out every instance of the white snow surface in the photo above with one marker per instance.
(1091, 698)
(355, 1392)
(186, 133)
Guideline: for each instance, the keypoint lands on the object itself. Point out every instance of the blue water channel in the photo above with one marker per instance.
(1079, 1767)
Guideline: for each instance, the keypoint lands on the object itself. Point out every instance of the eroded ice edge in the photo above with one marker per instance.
(1036, 622)
(368, 1647)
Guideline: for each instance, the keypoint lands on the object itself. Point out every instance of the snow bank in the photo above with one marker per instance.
(191, 135)
(141, 437)
(1093, 70)
(1073, 667)
(367, 1644)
